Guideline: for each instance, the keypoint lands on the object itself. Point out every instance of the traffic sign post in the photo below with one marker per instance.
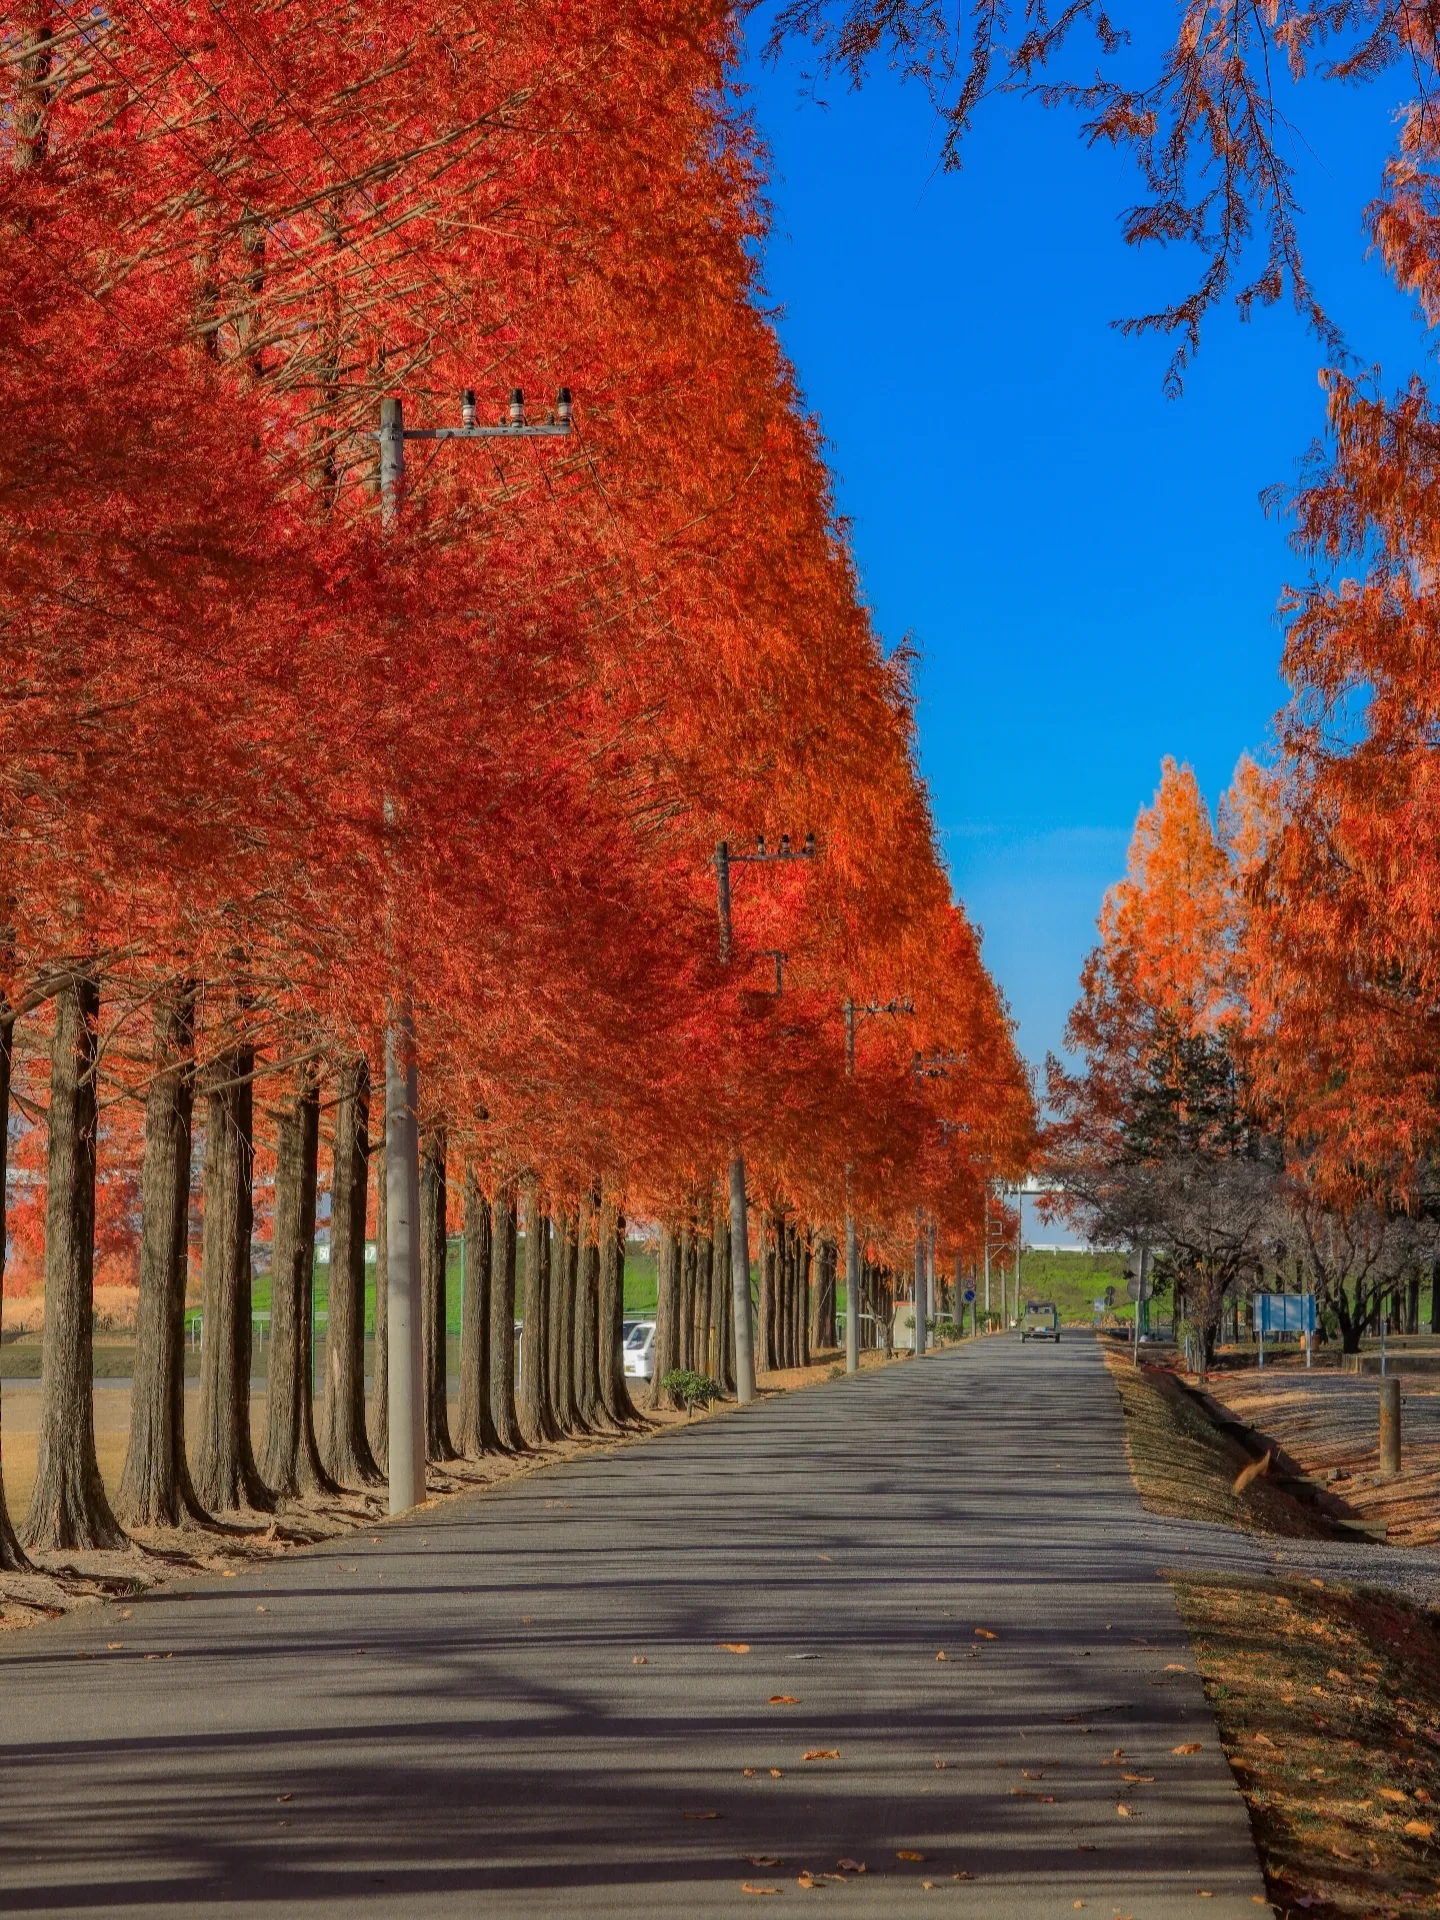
(969, 1298)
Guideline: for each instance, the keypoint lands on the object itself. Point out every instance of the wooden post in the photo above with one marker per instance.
(1389, 1427)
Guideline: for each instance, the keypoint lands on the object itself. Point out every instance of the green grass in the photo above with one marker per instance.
(1074, 1281)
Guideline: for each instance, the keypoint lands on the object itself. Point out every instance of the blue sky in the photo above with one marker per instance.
(1085, 565)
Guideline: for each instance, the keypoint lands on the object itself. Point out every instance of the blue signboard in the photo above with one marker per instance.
(969, 1295)
(1285, 1313)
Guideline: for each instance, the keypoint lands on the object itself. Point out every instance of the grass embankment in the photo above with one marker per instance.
(1327, 1697)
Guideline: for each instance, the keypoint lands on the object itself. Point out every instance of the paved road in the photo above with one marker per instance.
(451, 1718)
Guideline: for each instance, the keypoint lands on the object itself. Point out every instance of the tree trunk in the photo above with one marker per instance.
(700, 1325)
(765, 1361)
(803, 1269)
(723, 1319)
(68, 1507)
(685, 1297)
(434, 1251)
(537, 1419)
(562, 1321)
(155, 1487)
(610, 1315)
(667, 1307)
(12, 1555)
(226, 1477)
(344, 1448)
(477, 1433)
(1412, 1302)
(380, 1361)
(587, 1319)
(290, 1459)
(503, 1412)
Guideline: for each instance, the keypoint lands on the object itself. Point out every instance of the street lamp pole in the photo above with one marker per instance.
(404, 1377)
(739, 1208)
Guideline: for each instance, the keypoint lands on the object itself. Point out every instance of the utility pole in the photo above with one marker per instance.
(402, 1129)
(739, 1209)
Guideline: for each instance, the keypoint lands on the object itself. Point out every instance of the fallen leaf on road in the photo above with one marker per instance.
(984, 1633)
(1262, 1740)
(283, 1797)
(1422, 1829)
(941, 1765)
(805, 1880)
(1087, 1846)
(784, 1700)
(942, 1656)
(851, 1866)
(746, 1887)
(1140, 1779)
(1033, 1773)
(1117, 1753)
(822, 1753)
(114, 1645)
(374, 1539)
(822, 1556)
(732, 1646)
(747, 1773)
(928, 1885)
(639, 1660)
(1175, 1667)
(1124, 1811)
(777, 1773)
(765, 1860)
(1190, 1746)
(262, 1609)
(125, 1612)
(1252, 1472)
(699, 1816)
(908, 1853)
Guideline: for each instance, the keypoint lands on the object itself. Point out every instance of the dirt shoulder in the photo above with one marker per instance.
(1327, 1697)
(1328, 1424)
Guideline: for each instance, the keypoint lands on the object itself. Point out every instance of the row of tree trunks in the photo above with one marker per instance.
(12, 1554)
(824, 1328)
(575, 1378)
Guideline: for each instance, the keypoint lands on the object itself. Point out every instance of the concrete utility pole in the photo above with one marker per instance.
(402, 1129)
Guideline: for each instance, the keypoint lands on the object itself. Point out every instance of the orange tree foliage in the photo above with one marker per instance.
(569, 668)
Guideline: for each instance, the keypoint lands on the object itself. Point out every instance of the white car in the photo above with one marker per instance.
(640, 1350)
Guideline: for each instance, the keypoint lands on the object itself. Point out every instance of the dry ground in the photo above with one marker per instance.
(62, 1581)
(1327, 1697)
(1328, 1425)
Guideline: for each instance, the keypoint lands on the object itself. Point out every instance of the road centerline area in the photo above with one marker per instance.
(958, 1661)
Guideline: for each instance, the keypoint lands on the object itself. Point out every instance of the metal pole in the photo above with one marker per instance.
(852, 1251)
(402, 1134)
(987, 1255)
(402, 1225)
(740, 1283)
